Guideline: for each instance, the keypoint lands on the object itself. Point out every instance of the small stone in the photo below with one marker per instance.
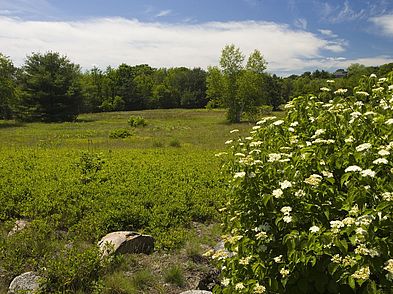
(25, 283)
(126, 242)
(20, 224)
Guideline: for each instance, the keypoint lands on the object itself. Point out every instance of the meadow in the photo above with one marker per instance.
(74, 182)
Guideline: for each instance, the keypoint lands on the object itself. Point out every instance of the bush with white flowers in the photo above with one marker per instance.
(312, 197)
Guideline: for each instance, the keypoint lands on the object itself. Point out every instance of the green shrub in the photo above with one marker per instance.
(118, 283)
(136, 121)
(158, 144)
(175, 143)
(143, 280)
(28, 249)
(90, 165)
(175, 276)
(312, 202)
(72, 270)
(119, 133)
(258, 112)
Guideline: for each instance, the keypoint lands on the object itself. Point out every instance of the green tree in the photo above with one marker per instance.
(51, 88)
(8, 88)
(93, 83)
(235, 86)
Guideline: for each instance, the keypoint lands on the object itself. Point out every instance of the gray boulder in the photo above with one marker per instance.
(126, 242)
(25, 283)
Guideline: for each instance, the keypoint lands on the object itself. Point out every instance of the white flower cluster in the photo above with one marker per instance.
(362, 274)
(336, 225)
(313, 180)
(363, 147)
(387, 196)
(245, 260)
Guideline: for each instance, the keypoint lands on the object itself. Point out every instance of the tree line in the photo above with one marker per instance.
(49, 87)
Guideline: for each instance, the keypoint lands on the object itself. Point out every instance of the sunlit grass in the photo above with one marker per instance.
(206, 129)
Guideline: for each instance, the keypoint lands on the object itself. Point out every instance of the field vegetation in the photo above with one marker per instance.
(74, 183)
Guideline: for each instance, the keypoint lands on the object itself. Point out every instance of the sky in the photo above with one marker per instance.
(294, 36)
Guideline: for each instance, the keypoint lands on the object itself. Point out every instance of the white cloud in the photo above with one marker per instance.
(385, 23)
(340, 13)
(333, 63)
(164, 13)
(327, 33)
(301, 23)
(112, 41)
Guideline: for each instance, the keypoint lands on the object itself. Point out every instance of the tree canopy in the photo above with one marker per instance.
(8, 87)
(234, 85)
(50, 88)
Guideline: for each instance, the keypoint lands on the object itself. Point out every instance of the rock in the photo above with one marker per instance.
(196, 292)
(126, 242)
(221, 247)
(20, 224)
(209, 280)
(25, 283)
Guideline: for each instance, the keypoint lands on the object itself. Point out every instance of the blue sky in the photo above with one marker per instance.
(293, 35)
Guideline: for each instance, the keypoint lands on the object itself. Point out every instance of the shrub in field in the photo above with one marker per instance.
(27, 250)
(135, 121)
(174, 275)
(90, 165)
(72, 270)
(119, 133)
(175, 143)
(312, 197)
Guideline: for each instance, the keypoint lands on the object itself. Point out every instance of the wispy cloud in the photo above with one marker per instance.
(346, 11)
(385, 23)
(339, 13)
(25, 7)
(328, 33)
(164, 13)
(112, 41)
(301, 23)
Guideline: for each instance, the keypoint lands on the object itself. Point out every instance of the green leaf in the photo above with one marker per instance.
(266, 199)
(351, 283)
(342, 245)
(371, 288)
(344, 178)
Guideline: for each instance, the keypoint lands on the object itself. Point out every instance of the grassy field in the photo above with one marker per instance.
(75, 183)
(204, 129)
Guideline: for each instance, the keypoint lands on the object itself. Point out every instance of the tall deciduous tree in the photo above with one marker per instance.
(237, 87)
(8, 88)
(51, 88)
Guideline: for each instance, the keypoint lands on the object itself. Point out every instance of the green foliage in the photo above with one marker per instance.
(118, 283)
(50, 88)
(311, 203)
(175, 143)
(28, 249)
(258, 113)
(90, 165)
(143, 280)
(73, 270)
(76, 185)
(174, 275)
(120, 134)
(235, 86)
(136, 121)
(8, 87)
